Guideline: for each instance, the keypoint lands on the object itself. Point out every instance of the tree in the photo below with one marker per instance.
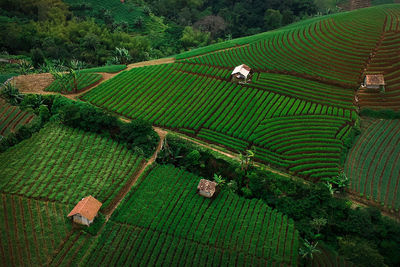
(122, 55)
(246, 160)
(272, 19)
(194, 38)
(318, 224)
(308, 250)
(360, 252)
(218, 179)
(212, 24)
(11, 93)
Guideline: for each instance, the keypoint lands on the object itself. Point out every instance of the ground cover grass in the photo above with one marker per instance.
(12, 118)
(64, 164)
(164, 222)
(83, 80)
(373, 164)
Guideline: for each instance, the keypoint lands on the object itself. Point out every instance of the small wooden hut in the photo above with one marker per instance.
(85, 211)
(374, 82)
(241, 74)
(207, 188)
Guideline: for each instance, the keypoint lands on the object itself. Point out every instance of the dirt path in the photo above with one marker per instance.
(36, 83)
(151, 63)
(161, 133)
(362, 202)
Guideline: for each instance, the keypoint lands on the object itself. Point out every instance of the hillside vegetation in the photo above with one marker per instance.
(67, 165)
(373, 164)
(12, 118)
(165, 223)
(298, 110)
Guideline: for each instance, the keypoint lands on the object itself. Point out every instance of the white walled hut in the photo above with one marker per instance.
(207, 188)
(374, 82)
(241, 73)
(85, 211)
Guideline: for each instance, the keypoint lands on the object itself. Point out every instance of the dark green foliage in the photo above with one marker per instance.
(384, 113)
(139, 134)
(360, 251)
(195, 159)
(37, 57)
(300, 201)
(11, 94)
(98, 222)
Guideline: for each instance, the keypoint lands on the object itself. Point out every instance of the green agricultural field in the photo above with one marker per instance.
(12, 118)
(31, 230)
(200, 101)
(305, 74)
(84, 80)
(108, 69)
(373, 164)
(64, 164)
(163, 221)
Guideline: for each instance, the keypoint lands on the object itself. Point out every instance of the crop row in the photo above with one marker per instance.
(166, 202)
(11, 118)
(328, 48)
(83, 80)
(212, 109)
(387, 62)
(373, 164)
(31, 230)
(305, 89)
(137, 246)
(311, 145)
(68, 164)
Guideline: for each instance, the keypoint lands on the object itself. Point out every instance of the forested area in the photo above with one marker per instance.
(90, 31)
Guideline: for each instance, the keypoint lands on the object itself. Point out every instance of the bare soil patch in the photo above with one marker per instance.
(33, 83)
(151, 63)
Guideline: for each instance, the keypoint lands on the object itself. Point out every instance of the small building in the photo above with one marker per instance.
(241, 73)
(206, 188)
(85, 211)
(374, 82)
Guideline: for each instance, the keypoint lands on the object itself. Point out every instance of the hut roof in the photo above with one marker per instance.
(206, 185)
(242, 69)
(374, 79)
(87, 207)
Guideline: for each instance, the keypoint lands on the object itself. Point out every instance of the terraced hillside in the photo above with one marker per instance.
(12, 118)
(164, 222)
(385, 59)
(64, 165)
(373, 164)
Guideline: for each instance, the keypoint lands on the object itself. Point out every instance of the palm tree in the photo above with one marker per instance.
(308, 250)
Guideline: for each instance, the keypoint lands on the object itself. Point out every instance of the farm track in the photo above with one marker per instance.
(36, 83)
(124, 191)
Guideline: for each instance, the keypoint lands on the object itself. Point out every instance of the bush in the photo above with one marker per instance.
(384, 113)
(96, 225)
